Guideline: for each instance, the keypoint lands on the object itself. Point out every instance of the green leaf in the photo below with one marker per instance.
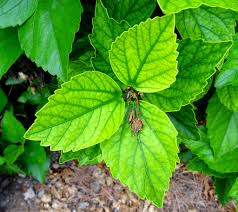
(2, 160)
(228, 76)
(225, 164)
(174, 6)
(145, 161)
(144, 57)
(233, 193)
(222, 127)
(199, 165)
(207, 23)
(228, 96)
(132, 11)
(196, 63)
(223, 186)
(81, 64)
(105, 31)
(88, 156)
(39, 171)
(12, 129)
(10, 168)
(15, 12)
(205, 90)
(35, 98)
(85, 111)
(227, 80)
(200, 147)
(10, 49)
(36, 160)
(185, 123)
(229, 72)
(3, 100)
(34, 153)
(59, 21)
(12, 152)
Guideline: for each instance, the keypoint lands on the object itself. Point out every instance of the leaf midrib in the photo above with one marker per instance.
(147, 54)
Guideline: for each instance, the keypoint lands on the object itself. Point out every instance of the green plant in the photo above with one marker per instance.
(16, 154)
(135, 90)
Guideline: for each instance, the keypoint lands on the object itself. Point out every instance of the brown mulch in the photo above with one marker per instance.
(69, 188)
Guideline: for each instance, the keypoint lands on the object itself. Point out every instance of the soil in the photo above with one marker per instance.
(69, 188)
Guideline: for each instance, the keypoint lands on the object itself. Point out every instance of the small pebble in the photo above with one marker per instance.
(46, 198)
(95, 186)
(97, 172)
(55, 204)
(83, 205)
(109, 181)
(55, 166)
(41, 193)
(29, 194)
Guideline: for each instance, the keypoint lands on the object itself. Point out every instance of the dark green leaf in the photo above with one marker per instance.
(132, 11)
(196, 63)
(91, 155)
(207, 23)
(12, 129)
(12, 152)
(15, 12)
(222, 128)
(36, 160)
(105, 31)
(185, 123)
(3, 100)
(48, 35)
(10, 49)
(223, 186)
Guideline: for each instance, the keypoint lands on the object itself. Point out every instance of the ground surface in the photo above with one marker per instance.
(69, 188)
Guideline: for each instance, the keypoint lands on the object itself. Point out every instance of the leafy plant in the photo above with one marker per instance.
(132, 89)
(16, 154)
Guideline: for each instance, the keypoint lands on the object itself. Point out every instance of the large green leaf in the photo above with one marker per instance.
(196, 63)
(48, 35)
(12, 129)
(222, 128)
(228, 96)
(91, 155)
(145, 161)
(10, 49)
(174, 6)
(15, 12)
(210, 24)
(185, 123)
(144, 57)
(133, 11)
(3, 100)
(85, 111)
(229, 72)
(105, 31)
